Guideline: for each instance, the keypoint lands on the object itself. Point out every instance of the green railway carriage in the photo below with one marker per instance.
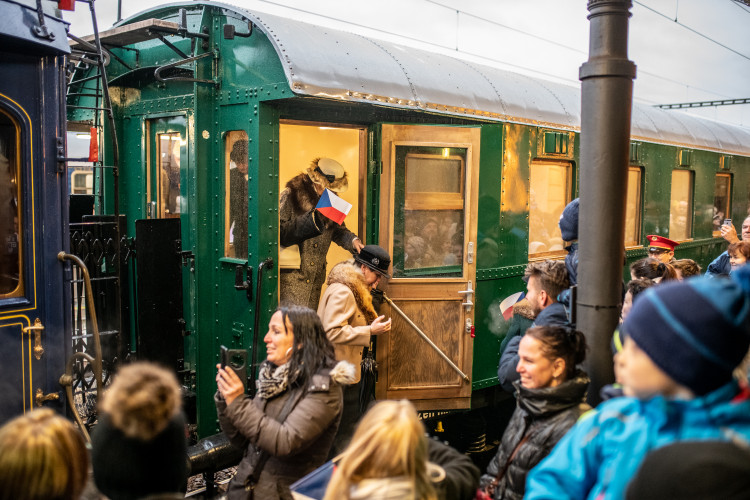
(459, 170)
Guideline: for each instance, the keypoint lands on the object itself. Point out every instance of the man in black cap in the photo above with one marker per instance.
(349, 318)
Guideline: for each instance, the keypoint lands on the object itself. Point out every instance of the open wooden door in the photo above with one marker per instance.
(427, 213)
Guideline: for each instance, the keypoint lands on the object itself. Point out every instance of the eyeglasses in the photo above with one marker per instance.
(657, 251)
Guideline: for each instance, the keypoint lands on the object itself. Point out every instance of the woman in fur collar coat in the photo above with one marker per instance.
(349, 319)
(300, 224)
(288, 427)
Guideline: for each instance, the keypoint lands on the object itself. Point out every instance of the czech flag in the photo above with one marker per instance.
(506, 306)
(333, 207)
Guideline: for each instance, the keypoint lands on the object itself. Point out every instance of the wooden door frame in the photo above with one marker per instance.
(438, 397)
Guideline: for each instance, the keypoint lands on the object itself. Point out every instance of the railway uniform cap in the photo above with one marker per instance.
(656, 241)
(328, 173)
(697, 331)
(375, 258)
(569, 221)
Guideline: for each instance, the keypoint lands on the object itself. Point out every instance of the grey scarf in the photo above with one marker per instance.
(272, 380)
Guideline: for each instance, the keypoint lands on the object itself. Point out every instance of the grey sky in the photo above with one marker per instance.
(685, 50)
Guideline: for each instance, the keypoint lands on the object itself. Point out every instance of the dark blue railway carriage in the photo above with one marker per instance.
(33, 206)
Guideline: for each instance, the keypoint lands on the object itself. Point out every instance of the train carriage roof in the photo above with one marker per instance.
(19, 23)
(334, 64)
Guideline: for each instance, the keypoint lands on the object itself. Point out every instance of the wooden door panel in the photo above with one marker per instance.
(435, 318)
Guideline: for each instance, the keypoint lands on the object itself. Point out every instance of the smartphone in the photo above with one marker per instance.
(224, 357)
(727, 222)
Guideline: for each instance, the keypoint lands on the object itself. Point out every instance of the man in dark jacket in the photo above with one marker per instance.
(544, 282)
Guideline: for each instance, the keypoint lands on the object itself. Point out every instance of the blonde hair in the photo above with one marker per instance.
(389, 442)
(142, 399)
(42, 457)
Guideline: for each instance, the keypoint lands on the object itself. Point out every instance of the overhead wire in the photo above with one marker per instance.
(483, 56)
(683, 25)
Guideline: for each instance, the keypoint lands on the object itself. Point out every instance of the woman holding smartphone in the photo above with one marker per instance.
(288, 427)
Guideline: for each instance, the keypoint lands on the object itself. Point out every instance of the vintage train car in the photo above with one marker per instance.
(35, 327)
(459, 170)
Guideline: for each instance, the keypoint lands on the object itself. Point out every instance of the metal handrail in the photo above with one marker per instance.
(427, 339)
(66, 380)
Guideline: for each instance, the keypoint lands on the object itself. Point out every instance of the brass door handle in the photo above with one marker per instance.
(37, 328)
(40, 397)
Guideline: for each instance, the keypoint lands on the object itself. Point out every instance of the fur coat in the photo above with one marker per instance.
(297, 446)
(300, 224)
(346, 312)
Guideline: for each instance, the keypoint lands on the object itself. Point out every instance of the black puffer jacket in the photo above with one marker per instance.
(542, 416)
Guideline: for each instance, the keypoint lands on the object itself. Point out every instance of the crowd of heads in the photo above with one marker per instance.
(433, 239)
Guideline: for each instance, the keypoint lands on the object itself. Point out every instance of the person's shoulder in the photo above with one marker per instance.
(552, 315)
(343, 373)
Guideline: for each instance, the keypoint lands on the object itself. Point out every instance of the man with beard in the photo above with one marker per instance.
(544, 282)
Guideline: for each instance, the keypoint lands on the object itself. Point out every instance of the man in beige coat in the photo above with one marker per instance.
(349, 319)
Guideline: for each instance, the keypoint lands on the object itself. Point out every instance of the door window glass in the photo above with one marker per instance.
(633, 208)
(10, 257)
(681, 205)
(549, 185)
(235, 201)
(722, 209)
(82, 182)
(169, 174)
(428, 238)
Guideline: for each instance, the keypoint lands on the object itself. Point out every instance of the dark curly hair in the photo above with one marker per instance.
(638, 285)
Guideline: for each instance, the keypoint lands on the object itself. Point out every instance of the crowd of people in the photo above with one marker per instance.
(681, 390)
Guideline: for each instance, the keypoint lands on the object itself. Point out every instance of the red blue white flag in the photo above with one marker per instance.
(506, 306)
(333, 207)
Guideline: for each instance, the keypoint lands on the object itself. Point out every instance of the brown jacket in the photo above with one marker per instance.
(346, 313)
(302, 286)
(297, 446)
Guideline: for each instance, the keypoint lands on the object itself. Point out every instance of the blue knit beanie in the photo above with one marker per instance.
(697, 331)
(569, 221)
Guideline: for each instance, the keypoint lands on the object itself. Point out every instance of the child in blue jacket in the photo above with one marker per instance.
(683, 341)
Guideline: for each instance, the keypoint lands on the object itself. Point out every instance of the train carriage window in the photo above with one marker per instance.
(169, 174)
(429, 212)
(633, 208)
(82, 181)
(235, 201)
(722, 207)
(11, 283)
(549, 187)
(681, 206)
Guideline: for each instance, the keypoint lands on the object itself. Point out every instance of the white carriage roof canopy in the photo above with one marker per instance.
(335, 64)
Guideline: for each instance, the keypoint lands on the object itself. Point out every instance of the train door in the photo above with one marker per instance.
(428, 224)
(33, 337)
(165, 252)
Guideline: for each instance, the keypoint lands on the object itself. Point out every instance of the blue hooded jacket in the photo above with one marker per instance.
(598, 456)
